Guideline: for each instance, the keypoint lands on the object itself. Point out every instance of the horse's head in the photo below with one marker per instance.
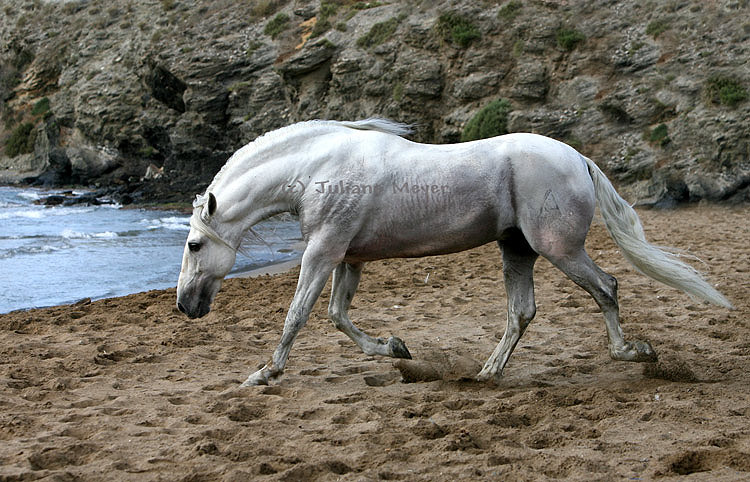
(206, 260)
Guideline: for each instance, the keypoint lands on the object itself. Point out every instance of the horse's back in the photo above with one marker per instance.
(399, 198)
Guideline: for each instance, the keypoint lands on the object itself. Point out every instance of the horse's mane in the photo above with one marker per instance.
(380, 125)
(371, 124)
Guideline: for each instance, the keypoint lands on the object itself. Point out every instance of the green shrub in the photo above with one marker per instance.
(569, 38)
(41, 107)
(323, 24)
(327, 9)
(252, 47)
(380, 32)
(657, 27)
(278, 24)
(659, 135)
(510, 10)
(491, 121)
(21, 140)
(457, 29)
(725, 90)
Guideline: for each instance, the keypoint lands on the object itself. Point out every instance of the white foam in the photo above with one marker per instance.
(174, 223)
(30, 195)
(33, 250)
(70, 234)
(25, 213)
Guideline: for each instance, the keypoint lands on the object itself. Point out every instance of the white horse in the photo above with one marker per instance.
(362, 192)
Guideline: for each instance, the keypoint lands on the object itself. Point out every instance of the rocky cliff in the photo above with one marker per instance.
(93, 92)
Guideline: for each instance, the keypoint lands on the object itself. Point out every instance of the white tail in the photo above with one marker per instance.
(625, 227)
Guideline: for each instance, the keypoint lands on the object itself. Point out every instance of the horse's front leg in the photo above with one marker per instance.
(345, 281)
(317, 264)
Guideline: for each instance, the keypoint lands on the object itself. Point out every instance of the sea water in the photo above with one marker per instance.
(61, 254)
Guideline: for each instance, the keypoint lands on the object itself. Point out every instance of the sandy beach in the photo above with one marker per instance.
(130, 389)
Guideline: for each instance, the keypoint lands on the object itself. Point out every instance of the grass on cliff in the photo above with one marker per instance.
(380, 32)
(569, 38)
(278, 24)
(41, 107)
(659, 135)
(725, 90)
(21, 140)
(490, 121)
(510, 10)
(457, 29)
(657, 27)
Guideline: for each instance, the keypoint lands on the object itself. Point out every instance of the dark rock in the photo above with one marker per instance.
(53, 200)
(209, 100)
(87, 199)
(166, 87)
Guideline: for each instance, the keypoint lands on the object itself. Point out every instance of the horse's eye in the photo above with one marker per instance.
(194, 247)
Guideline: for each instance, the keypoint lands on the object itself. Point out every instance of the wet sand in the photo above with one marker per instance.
(130, 389)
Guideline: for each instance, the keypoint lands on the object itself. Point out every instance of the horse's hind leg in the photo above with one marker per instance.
(518, 271)
(345, 280)
(603, 288)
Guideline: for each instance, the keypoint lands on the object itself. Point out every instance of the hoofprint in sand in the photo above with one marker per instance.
(128, 389)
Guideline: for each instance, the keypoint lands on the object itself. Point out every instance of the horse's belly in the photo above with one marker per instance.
(411, 240)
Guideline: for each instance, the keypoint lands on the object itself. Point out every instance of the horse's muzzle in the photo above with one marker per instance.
(200, 311)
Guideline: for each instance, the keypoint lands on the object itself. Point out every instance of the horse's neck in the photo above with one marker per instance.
(252, 193)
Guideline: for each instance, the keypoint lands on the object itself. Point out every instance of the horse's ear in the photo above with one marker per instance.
(211, 204)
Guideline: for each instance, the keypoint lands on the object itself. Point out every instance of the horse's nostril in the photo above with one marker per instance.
(181, 308)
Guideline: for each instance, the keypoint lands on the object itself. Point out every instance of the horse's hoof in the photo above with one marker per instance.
(645, 353)
(636, 351)
(482, 377)
(398, 348)
(253, 383)
(486, 375)
(255, 379)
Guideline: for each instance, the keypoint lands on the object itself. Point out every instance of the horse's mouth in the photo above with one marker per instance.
(199, 312)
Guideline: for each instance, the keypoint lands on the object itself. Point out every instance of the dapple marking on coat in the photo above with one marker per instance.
(530, 194)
